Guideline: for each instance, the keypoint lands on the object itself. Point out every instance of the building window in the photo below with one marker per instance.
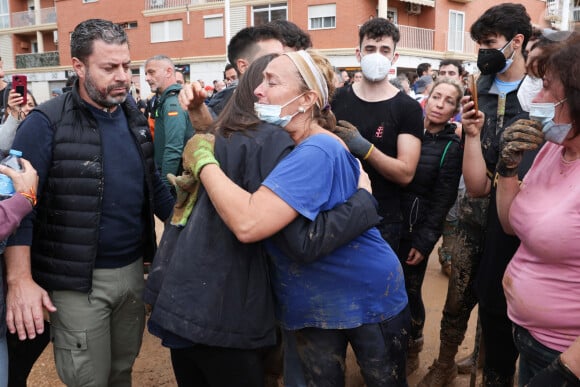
(392, 15)
(321, 16)
(166, 31)
(456, 27)
(129, 25)
(262, 14)
(213, 26)
(576, 11)
(4, 14)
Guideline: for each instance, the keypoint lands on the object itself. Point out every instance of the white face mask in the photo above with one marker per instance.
(375, 67)
(544, 113)
(271, 113)
(529, 88)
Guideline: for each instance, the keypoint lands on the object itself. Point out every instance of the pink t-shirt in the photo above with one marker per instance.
(542, 281)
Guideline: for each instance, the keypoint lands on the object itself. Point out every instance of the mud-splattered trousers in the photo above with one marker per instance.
(380, 350)
(466, 257)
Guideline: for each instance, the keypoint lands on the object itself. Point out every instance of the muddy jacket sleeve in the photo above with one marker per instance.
(306, 240)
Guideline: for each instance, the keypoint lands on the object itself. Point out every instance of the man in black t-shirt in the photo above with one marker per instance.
(389, 123)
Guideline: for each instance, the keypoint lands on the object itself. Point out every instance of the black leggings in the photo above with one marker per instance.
(204, 366)
(500, 351)
(23, 354)
(414, 276)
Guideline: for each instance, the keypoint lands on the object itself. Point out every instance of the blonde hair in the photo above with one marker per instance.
(455, 84)
(317, 74)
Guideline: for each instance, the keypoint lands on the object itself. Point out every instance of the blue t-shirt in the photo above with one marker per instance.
(506, 87)
(359, 283)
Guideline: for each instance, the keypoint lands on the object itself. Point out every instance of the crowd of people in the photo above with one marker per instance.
(300, 212)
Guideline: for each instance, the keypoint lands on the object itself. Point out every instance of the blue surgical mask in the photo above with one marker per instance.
(544, 113)
(508, 63)
(271, 113)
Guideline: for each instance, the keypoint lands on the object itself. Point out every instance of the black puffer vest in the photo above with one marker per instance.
(66, 229)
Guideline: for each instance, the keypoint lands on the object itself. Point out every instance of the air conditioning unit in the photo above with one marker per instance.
(413, 9)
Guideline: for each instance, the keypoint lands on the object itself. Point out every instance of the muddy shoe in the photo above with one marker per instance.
(464, 364)
(415, 346)
(439, 375)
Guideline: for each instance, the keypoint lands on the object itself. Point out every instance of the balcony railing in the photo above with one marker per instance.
(161, 4)
(33, 18)
(45, 59)
(576, 14)
(416, 38)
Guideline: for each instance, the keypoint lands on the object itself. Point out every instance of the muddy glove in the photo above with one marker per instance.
(520, 136)
(357, 144)
(556, 374)
(198, 153)
(186, 187)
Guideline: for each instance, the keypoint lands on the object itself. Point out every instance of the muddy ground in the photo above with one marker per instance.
(153, 366)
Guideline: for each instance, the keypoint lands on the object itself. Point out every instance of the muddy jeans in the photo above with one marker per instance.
(380, 350)
(534, 356)
(461, 298)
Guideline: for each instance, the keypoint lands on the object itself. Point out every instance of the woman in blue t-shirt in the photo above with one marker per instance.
(354, 295)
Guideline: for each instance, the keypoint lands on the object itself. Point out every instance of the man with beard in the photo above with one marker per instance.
(93, 227)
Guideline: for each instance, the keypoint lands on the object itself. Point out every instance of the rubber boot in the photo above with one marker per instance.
(415, 346)
(443, 370)
(447, 245)
(464, 364)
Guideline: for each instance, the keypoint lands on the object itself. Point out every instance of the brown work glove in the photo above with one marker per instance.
(186, 187)
(520, 136)
(198, 153)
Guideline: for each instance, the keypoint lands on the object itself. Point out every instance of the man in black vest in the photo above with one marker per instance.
(94, 224)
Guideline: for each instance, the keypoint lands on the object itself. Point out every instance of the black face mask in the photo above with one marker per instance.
(491, 60)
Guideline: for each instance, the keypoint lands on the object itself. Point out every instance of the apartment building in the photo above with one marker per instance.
(35, 34)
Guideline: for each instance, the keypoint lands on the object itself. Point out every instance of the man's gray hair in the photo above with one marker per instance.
(162, 58)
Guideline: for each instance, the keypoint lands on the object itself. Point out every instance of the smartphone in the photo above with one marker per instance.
(20, 85)
(473, 90)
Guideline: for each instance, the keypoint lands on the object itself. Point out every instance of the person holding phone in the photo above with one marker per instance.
(12, 211)
(484, 249)
(16, 111)
(20, 85)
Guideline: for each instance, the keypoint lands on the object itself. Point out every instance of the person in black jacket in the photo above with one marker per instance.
(427, 199)
(93, 227)
(210, 293)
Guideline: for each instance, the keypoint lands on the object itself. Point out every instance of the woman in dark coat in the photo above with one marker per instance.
(427, 199)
